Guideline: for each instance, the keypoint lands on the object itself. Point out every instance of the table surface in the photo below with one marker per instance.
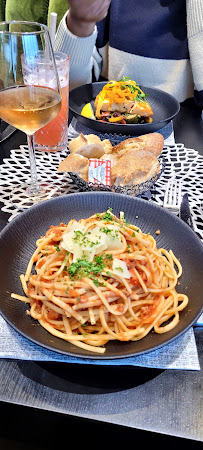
(119, 400)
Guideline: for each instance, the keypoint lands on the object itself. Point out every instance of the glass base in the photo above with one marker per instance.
(49, 149)
(24, 195)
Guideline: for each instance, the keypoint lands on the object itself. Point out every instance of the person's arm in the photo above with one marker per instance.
(195, 44)
(80, 51)
(76, 36)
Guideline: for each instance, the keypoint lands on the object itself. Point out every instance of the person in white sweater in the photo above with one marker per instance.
(158, 44)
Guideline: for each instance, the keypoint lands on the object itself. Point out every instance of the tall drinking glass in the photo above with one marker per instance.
(54, 136)
(27, 107)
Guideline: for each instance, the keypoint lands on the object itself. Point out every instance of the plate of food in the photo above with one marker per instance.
(122, 107)
(99, 275)
(130, 166)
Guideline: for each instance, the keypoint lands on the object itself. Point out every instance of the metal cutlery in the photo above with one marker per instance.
(185, 213)
(173, 195)
(177, 203)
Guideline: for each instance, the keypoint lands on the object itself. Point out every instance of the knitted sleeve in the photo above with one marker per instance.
(195, 44)
(82, 53)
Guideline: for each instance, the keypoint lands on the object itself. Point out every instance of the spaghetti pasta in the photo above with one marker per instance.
(102, 279)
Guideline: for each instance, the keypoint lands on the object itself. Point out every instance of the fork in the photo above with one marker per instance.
(173, 195)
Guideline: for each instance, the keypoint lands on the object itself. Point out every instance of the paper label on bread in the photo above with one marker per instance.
(99, 171)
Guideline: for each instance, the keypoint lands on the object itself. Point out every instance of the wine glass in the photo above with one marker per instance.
(28, 106)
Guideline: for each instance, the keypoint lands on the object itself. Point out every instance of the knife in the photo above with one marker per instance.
(185, 213)
(7, 132)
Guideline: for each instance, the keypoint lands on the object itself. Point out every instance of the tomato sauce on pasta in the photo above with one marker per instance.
(102, 279)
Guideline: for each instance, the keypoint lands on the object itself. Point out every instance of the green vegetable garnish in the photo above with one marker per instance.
(82, 268)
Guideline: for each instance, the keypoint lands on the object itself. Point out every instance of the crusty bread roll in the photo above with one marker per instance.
(134, 167)
(91, 151)
(83, 140)
(77, 143)
(111, 157)
(107, 145)
(152, 142)
(75, 163)
(89, 146)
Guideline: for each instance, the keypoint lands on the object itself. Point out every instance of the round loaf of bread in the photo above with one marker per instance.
(152, 142)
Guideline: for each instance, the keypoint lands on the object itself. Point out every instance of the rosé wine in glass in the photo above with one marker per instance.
(53, 136)
(28, 106)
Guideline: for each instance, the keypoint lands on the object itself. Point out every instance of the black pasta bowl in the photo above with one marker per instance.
(165, 107)
(18, 241)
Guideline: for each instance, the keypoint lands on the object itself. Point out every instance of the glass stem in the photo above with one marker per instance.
(34, 188)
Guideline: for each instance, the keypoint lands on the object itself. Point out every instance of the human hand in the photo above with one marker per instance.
(83, 15)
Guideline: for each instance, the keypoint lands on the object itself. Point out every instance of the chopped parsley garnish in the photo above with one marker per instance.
(78, 236)
(119, 268)
(109, 256)
(106, 230)
(125, 79)
(66, 258)
(109, 231)
(57, 248)
(126, 223)
(82, 239)
(108, 273)
(107, 215)
(82, 268)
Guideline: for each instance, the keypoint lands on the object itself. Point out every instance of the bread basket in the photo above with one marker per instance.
(132, 190)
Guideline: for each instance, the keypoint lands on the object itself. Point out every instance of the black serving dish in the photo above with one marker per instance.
(164, 105)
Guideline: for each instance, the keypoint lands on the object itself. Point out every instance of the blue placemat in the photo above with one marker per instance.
(179, 354)
(77, 127)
